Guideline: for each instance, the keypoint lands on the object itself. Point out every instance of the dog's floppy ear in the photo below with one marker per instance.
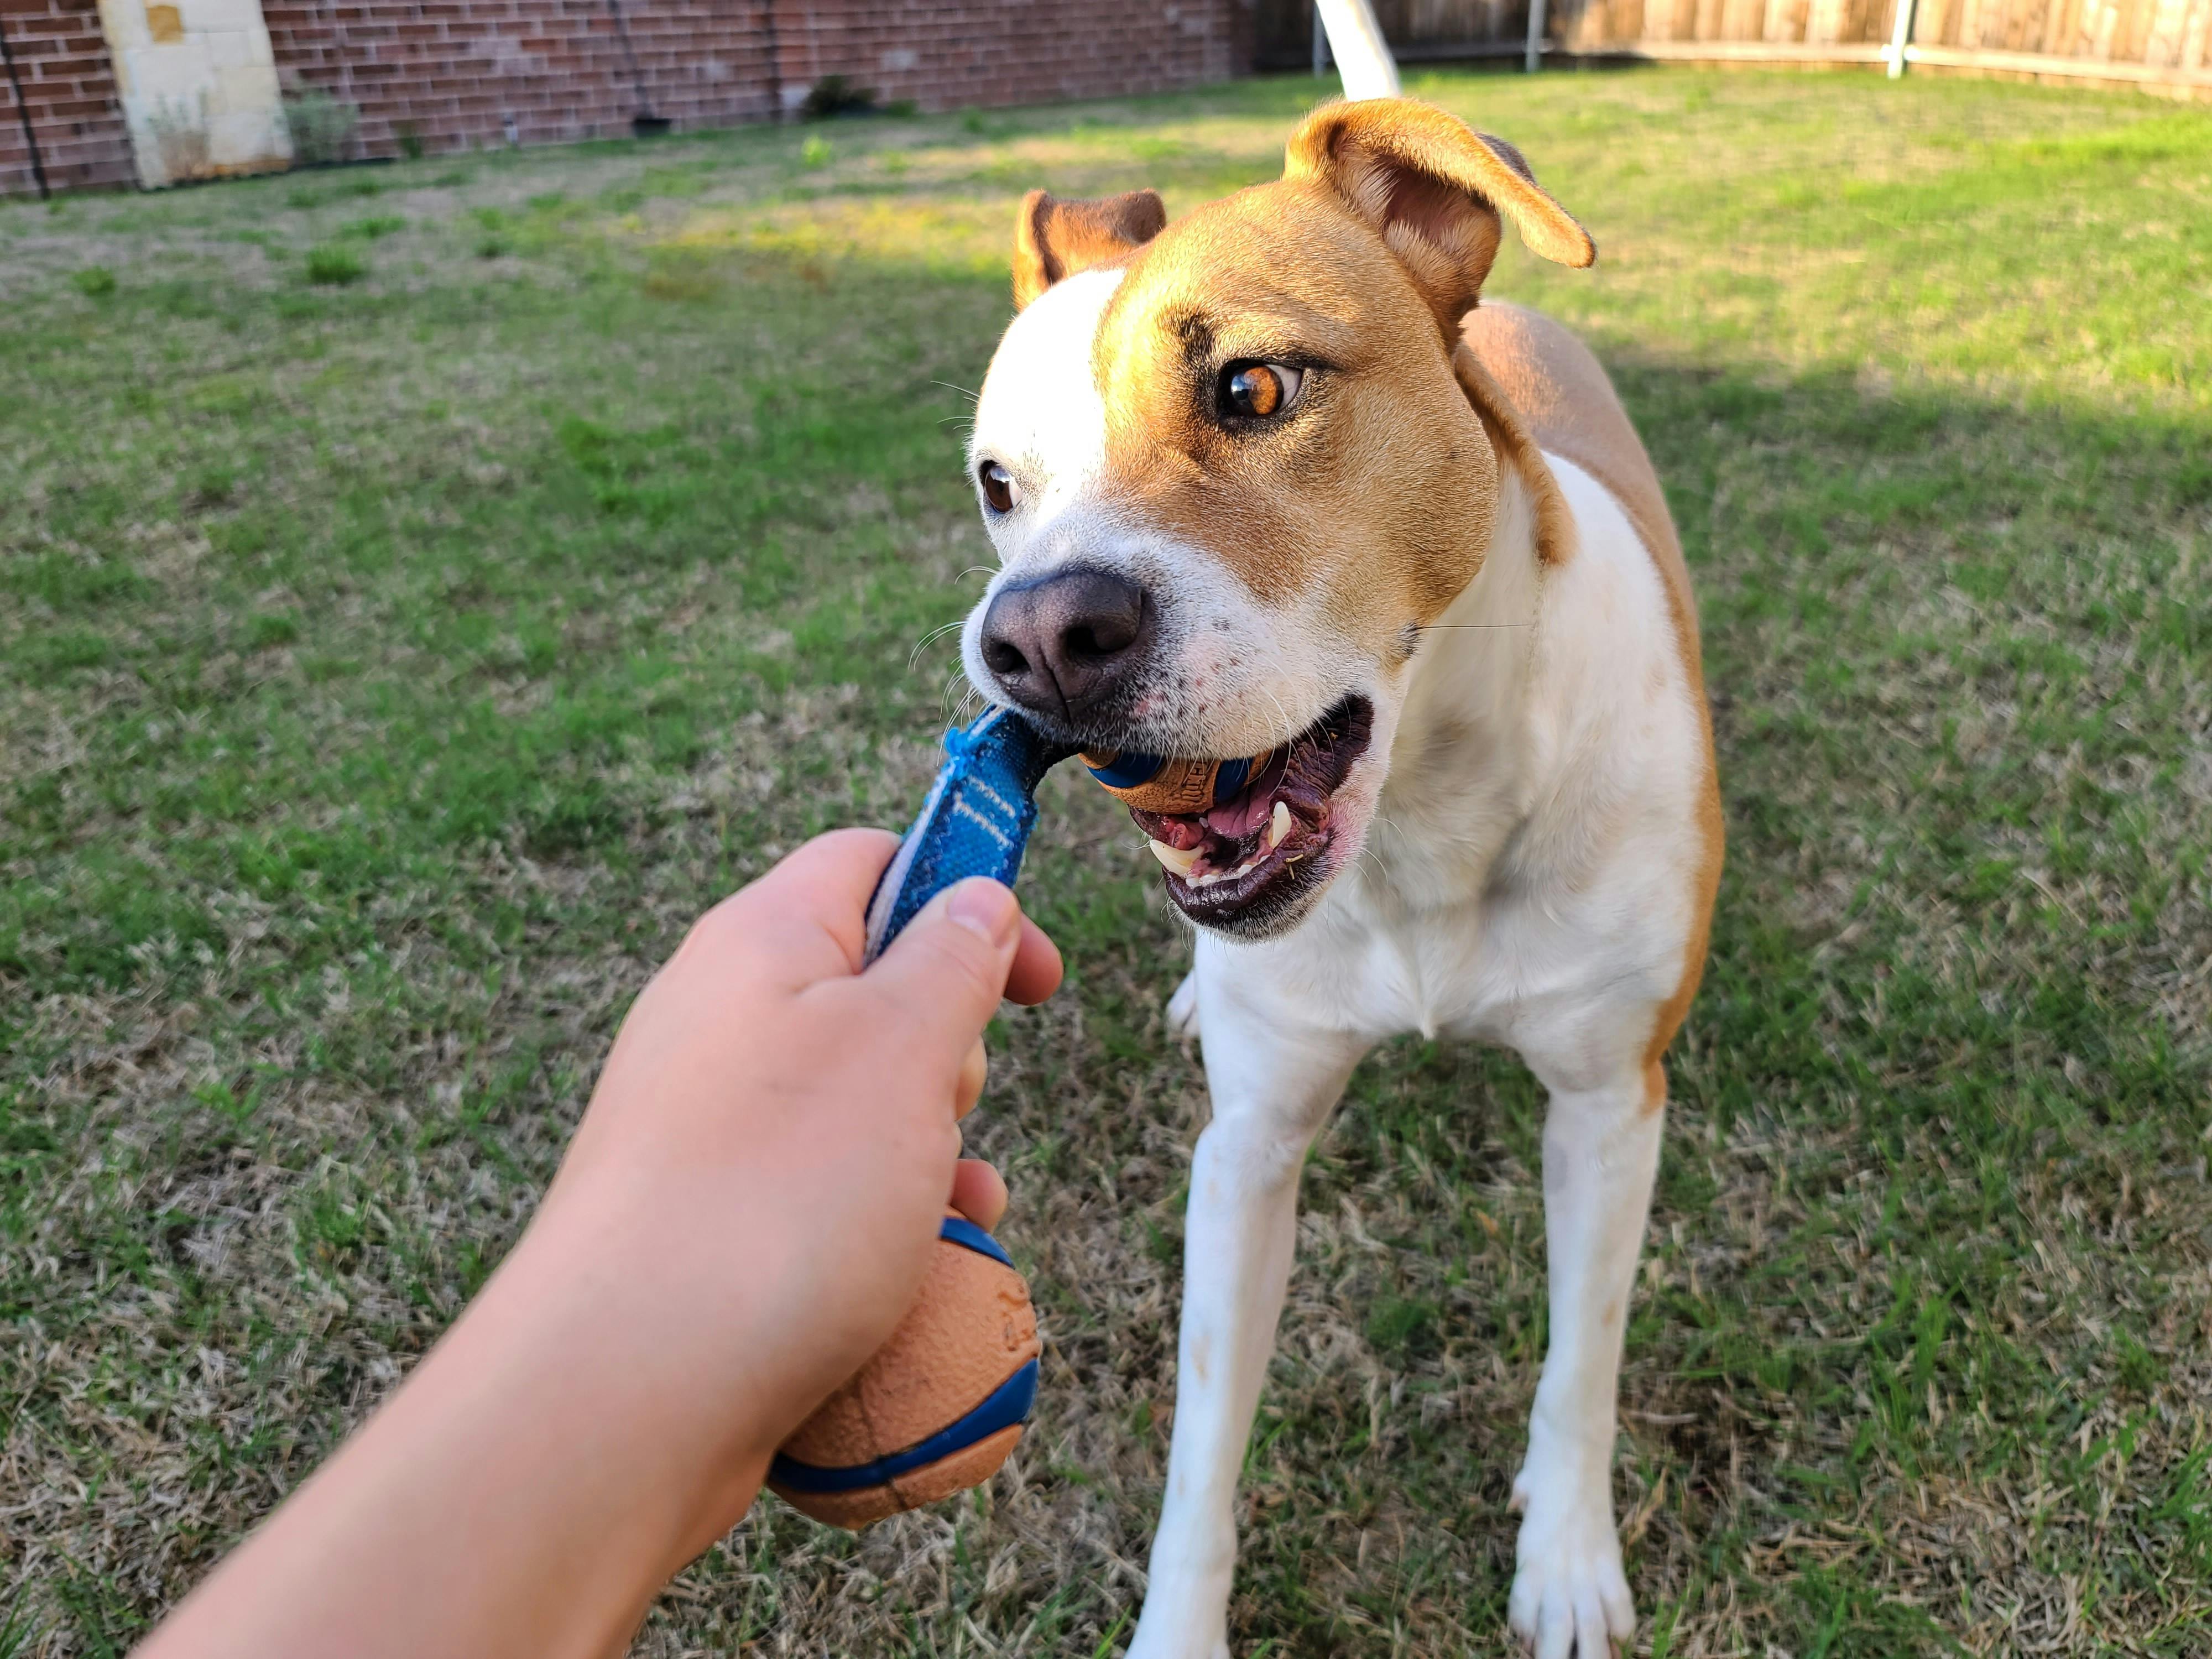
(1055, 239)
(1433, 188)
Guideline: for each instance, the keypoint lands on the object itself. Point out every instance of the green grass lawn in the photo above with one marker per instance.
(423, 589)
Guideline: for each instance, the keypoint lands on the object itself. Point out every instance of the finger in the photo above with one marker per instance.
(974, 1072)
(979, 1193)
(810, 912)
(1036, 971)
(941, 980)
(830, 879)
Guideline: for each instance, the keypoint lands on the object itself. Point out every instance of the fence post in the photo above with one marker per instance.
(1320, 43)
(1535, 52)
(1900, 35)
(1363, 58)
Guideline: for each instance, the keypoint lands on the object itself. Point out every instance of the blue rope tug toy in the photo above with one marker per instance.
(939, 1406)
(975, 822)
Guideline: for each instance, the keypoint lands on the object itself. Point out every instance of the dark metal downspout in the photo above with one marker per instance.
(23, 114)
(774, 62)
(642, 119)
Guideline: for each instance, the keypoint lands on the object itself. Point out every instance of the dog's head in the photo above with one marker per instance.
(1230, 473)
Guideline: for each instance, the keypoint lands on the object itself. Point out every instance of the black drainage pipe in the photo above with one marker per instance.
(644, 124)
(23, 114)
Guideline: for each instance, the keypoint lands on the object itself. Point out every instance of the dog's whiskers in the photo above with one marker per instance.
(945, 697)
(954, 711)
(1368, 851)
(928, 640)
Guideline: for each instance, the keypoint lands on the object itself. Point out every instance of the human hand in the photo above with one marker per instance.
(745, 1212)
(773, 1140)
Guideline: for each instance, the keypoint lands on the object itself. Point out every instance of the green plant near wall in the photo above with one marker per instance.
(322, 127)
(331, 266)
(179, 131)
(838, 94)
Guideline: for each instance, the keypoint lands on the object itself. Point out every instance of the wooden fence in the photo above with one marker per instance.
(2159, 45)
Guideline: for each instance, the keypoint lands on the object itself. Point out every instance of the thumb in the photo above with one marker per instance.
(947, 971)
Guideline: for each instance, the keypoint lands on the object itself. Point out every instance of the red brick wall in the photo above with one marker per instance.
(454, 70)
(945, 54)
(62, 58)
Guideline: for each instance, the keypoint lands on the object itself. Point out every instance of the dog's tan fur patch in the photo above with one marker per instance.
(1433, 189)
(1562, 395)
(1375, 221)
(1053, 239)
(1519, 448)
(1386, 534)
(1567, 404)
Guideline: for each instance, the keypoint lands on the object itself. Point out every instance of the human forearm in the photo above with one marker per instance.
(743, 1216)
(527, 1493)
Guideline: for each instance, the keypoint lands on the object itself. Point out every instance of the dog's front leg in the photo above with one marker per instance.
(1601, 1154)
(1272, 1086)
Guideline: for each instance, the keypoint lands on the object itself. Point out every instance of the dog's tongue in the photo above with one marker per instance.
(1239, 818)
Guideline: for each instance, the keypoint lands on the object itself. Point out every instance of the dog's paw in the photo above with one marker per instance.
(1182, 1019)
(1185, 1615)
(1153, 1640)
(1570, 1596)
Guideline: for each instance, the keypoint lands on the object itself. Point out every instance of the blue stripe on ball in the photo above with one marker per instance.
(1126, 769)
(1229, 781)
(958, 1229)
(1010, 1403)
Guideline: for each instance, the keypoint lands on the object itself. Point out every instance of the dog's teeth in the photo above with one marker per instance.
(1173, 857)
(1180, 862)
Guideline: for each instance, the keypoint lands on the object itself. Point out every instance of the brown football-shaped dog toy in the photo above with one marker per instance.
(1171, 784)
(939, 1406)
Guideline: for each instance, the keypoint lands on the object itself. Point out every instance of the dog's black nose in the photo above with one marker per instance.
(1061, 645)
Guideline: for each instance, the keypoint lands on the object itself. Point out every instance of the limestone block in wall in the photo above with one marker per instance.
(229, 49)
(249, 89)
(202, 16)
(240, 141)
(165, 74)
(197, 83)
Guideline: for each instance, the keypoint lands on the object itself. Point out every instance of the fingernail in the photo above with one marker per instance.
(986, 907)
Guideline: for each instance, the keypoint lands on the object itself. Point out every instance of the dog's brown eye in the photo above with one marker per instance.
(999, 487)
(1256, 391)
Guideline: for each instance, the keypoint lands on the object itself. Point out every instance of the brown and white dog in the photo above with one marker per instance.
(1271, 476)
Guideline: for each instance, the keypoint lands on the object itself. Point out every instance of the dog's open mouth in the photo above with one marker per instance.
(1243, 859)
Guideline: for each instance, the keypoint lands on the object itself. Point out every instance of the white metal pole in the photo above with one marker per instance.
(1900, 36)
(1363, 58)
(1535, 36)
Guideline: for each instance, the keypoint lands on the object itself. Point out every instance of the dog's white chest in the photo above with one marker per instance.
(1483, 971)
